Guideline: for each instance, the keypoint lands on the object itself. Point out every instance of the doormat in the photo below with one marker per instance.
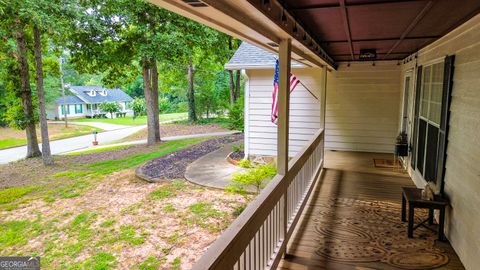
(386, 163)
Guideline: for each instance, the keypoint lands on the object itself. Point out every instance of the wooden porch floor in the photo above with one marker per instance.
(352, 221)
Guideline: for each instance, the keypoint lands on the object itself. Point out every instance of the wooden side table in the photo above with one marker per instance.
(413, 196)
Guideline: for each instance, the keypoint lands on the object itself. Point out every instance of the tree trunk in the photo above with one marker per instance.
(26, 93)
(232, 88)
(192, 116)
(154, 84)
(46, 154)
(230, 73)
(237, 86)
(153, 127)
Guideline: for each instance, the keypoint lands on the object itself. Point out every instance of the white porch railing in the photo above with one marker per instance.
(258, 237)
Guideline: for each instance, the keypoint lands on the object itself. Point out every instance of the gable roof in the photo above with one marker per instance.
(113, 94)
(69, 100)
(249, 56)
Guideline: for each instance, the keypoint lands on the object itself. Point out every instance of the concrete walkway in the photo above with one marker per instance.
(171, 138)
(70, 144)
(213, 170)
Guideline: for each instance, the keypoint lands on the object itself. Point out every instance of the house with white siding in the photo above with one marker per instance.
(360, 115)
(260, 132)
(375, 69)
(85, 101)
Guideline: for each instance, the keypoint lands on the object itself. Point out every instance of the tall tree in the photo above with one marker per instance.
(122, 39)
(46, 153)
(25, 90)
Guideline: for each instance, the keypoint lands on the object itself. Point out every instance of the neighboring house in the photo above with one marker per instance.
(86, 101)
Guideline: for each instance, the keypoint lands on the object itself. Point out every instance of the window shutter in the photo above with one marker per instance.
(445, 115)
(414, 143)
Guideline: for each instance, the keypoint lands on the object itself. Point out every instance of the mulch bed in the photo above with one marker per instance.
(174, 165)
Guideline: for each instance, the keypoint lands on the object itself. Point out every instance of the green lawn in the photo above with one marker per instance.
(10, 137)
(128, 121)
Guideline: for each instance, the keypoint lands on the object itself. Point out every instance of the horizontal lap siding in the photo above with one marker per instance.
(462, 175)
(304, 112)
(362, 107)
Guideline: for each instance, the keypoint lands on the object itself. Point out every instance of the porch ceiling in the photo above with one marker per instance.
(328, 31)
(395, 28)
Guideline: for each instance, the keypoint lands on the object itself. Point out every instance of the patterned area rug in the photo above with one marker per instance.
(370, 233)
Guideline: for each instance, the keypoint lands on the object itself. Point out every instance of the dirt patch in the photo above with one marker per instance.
(173, 166)
(168, 130)
(120, 217)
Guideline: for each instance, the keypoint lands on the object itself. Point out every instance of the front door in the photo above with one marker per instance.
(406, 124)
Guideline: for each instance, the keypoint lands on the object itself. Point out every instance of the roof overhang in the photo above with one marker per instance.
(242, 19)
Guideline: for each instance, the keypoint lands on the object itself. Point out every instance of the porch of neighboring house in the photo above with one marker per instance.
(352, 221)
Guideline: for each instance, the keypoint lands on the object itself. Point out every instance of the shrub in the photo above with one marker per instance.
(257, 177)
(245, 163)
(138, 106)
(110, 107)
(236, 116)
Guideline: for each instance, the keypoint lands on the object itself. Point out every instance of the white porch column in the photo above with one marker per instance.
(283, 105)
(323, 97)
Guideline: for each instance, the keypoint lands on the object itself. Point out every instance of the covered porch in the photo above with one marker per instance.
(332, 210)
(352, 221)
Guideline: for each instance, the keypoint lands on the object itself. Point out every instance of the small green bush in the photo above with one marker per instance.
(245, 163)
(238, 148)
(257, 177)
(236, 116)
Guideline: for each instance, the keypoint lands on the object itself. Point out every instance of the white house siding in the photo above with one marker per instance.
(362, 106)
(260, 132)
(462, 176)
(72, 111)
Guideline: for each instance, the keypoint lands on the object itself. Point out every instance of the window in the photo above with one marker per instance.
(432, 112)
(78, 108)
(429, 120)
(63, 109)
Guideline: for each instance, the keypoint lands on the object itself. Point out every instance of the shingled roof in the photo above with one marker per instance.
(69, 100)
(113, 94)
(249, 56)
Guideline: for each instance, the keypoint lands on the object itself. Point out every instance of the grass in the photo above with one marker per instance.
(10, 137)
(222, 121)
(128, 121)
(73, 183)
(98, 150)
(11, 194)
(85, 234)
(109, 166)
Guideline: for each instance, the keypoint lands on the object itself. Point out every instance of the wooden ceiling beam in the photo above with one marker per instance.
(379, 39)
(411, 26)
(346, 26)
(354, 4)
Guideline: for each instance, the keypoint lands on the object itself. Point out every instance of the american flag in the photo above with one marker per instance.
(293, 83)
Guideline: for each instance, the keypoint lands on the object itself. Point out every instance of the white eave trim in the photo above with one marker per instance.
(257, 66)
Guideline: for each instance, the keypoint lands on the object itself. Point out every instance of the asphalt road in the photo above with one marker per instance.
(71, 144)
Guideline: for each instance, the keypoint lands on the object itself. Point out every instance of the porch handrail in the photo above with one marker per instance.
(258, 237)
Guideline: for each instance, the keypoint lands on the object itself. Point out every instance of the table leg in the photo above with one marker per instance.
(411, 215)
(404, 209)
(430, 216)
(441, 225)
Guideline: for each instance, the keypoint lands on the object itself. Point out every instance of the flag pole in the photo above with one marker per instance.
(308, 90)
(311, 93)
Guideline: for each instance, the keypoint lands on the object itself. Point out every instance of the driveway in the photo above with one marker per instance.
(71, 144)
